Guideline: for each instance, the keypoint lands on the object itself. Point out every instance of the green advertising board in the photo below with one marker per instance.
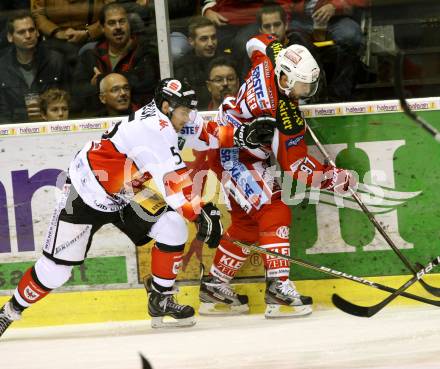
(399, 172)
(94, 271)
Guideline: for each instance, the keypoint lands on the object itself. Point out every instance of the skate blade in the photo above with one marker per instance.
(219, 309)
(169, 322)
(274, 311)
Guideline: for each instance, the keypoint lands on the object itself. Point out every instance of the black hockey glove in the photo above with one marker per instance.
(209, 226)
(256, 133)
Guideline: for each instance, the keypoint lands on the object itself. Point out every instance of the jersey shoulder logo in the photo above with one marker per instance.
(289, 119)
(181, 142)
(163, 124)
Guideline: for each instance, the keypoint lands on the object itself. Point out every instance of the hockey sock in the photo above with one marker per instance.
(228, 260)
(16, 305)
(275, 267)
(165, 264)
(29, 290)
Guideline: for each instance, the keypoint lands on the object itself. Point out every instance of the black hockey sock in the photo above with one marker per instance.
(16, 305)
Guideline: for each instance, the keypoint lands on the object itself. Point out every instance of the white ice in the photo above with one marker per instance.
(328, 339)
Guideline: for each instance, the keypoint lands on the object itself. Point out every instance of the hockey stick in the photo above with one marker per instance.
(337, 274)
(431, 289)
(398, 80)
(145, 363)
(368, 311)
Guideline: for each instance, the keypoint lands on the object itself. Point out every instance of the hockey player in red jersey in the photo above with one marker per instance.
(102, 181)
(277, 79)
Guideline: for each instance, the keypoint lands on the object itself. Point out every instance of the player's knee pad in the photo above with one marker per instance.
(170, 229)
(50, 274)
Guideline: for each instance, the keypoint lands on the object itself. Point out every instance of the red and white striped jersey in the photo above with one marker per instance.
(251, 181)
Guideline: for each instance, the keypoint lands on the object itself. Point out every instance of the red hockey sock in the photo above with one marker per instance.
(228, 260)
(275, 267)
(165, 265)
(30, 288)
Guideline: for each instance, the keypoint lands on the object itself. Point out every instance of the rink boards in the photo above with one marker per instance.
(398, 171)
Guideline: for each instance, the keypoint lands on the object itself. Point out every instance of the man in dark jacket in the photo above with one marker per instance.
(193, 66)
(119, 52)
(6, 8)
(27, 67)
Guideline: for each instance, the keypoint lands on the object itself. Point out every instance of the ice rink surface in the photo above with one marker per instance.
(329, 339)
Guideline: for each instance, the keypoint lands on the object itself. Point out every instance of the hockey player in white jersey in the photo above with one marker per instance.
(102, 181)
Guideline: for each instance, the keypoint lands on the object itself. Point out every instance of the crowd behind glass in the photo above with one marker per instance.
(70, 59)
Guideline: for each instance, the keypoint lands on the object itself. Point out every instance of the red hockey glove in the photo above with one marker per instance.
(338, 180)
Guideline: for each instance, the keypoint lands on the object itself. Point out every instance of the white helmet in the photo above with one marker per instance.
(298, 64)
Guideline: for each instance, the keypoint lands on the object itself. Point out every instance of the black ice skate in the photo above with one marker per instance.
(163, 304)
(218, 298)
(283, 300)
(7, 315)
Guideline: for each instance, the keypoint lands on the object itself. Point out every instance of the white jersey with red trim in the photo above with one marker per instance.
(105, 172)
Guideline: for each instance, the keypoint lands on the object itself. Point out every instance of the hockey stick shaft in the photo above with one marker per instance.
(398, 78)
(333, 272)
(433, 290)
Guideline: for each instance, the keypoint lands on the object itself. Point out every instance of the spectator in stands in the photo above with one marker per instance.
(193, 66)
(68, 24)
(335, 15)
(223, 80)
(333, 59)
(27, 67)
(54, 104)
(119, 52)
(272, 19)
(334, 20)
(180, 12)
(115, 95)
(236, 23)
(139, 15)
(6, 10)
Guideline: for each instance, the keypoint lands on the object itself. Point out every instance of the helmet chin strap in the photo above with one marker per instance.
(170, 112)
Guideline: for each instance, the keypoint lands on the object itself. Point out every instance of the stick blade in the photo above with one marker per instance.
(431, 289)
(352, 309)
(145, 363)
